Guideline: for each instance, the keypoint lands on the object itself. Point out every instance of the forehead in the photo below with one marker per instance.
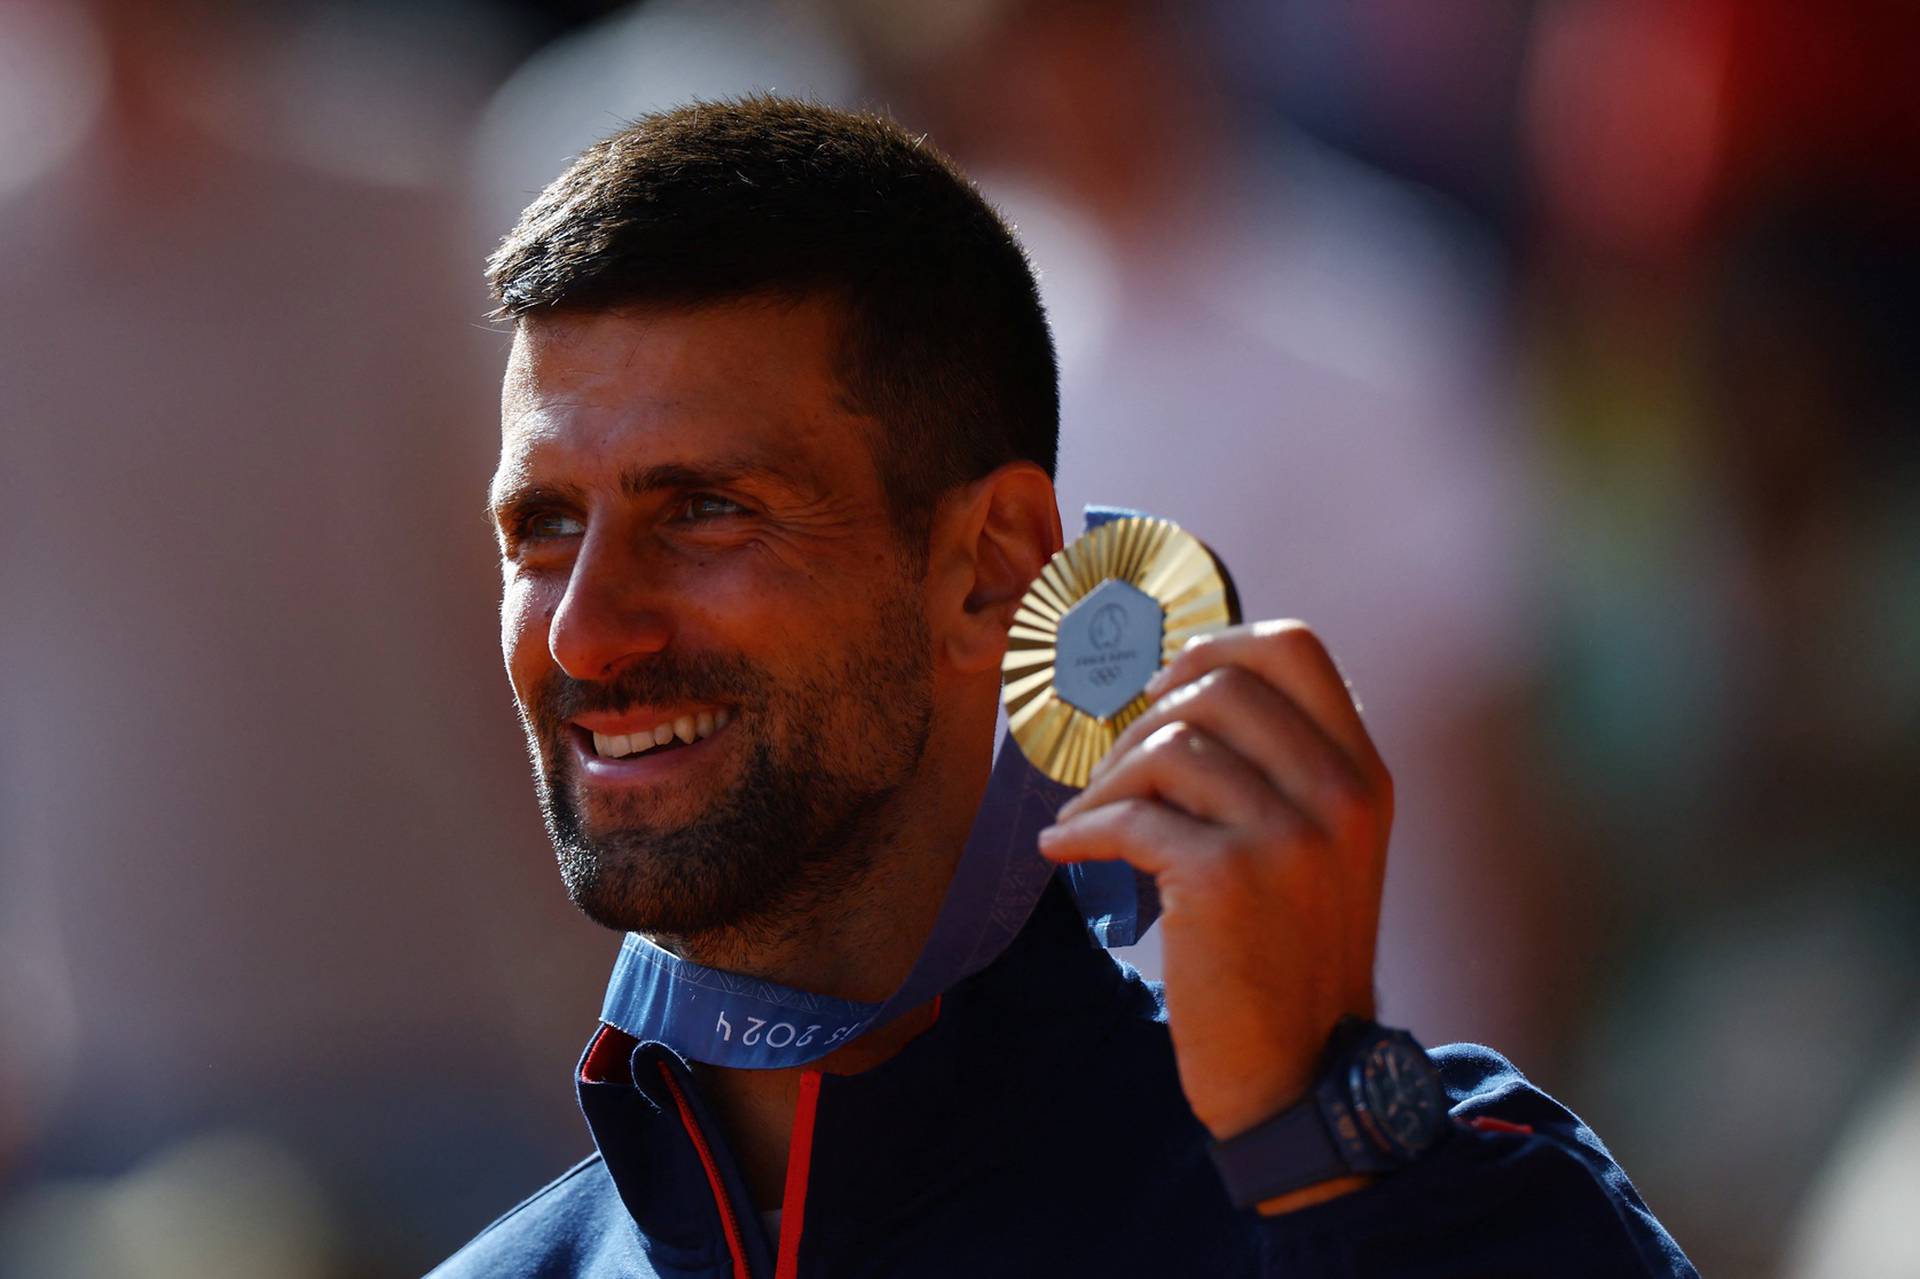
(742, 383)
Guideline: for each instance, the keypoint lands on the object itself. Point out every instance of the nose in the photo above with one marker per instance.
(609, 615)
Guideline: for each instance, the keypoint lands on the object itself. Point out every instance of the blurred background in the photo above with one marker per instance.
(1555, 358)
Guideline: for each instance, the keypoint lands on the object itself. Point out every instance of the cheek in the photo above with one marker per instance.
(751, 605)
(524, 615)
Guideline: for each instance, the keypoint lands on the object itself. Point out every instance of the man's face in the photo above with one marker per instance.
(695, 544)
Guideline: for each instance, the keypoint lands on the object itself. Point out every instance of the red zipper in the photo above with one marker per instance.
(793, 1201)
(727, 1220)
(793, 1198)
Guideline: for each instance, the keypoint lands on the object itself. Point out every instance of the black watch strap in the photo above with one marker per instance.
(1290, 1150)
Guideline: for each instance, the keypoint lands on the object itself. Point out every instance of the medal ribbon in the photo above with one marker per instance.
(725, 1019)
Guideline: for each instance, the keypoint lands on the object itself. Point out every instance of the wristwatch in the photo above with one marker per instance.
(1377, 1105)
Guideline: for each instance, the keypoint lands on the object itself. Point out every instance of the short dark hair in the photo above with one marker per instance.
(945, 344)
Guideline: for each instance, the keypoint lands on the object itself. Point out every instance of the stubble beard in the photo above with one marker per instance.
(827, 758)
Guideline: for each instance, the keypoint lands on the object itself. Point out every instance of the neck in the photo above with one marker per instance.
(858, 939)
(858, 943)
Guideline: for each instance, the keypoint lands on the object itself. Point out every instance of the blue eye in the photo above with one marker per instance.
(546, 524)
(705, 506)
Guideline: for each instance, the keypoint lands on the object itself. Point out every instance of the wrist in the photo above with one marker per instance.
(1376, 1106)
(1252, 1109)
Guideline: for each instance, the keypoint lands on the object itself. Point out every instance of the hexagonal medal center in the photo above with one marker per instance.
(1108, 647)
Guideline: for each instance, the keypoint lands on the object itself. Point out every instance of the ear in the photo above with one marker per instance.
(990, 539)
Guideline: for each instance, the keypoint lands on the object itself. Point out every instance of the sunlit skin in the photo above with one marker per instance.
(688, 485)
(1252, 793)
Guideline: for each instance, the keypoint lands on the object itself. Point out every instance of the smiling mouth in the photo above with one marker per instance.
(671, 734)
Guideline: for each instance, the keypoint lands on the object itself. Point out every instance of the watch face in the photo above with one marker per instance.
(1398, 1097)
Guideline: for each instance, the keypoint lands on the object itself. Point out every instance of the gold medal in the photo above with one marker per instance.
(1104, 615)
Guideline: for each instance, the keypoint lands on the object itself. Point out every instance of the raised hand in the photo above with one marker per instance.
(1251, 792)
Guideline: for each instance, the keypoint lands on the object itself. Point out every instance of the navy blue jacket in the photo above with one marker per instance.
(1038, 1128)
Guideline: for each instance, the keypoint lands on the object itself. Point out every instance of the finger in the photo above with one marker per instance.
(1262, 725)
(1150, 836)
(1290, 657)
(1189, 768)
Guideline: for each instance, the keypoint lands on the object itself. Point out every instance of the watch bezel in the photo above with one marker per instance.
(1362, 1081)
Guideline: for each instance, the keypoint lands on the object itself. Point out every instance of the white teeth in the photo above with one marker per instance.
(618, 747)
(688, 728)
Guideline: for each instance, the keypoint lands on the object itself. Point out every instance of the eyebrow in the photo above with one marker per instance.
(637, 482)
(680, 475)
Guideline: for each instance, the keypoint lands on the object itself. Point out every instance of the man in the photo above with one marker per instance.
(778, 436)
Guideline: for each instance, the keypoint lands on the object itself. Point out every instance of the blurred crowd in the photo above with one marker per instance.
(1554, 358)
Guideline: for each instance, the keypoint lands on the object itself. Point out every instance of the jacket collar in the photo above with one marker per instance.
(884, 1140)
